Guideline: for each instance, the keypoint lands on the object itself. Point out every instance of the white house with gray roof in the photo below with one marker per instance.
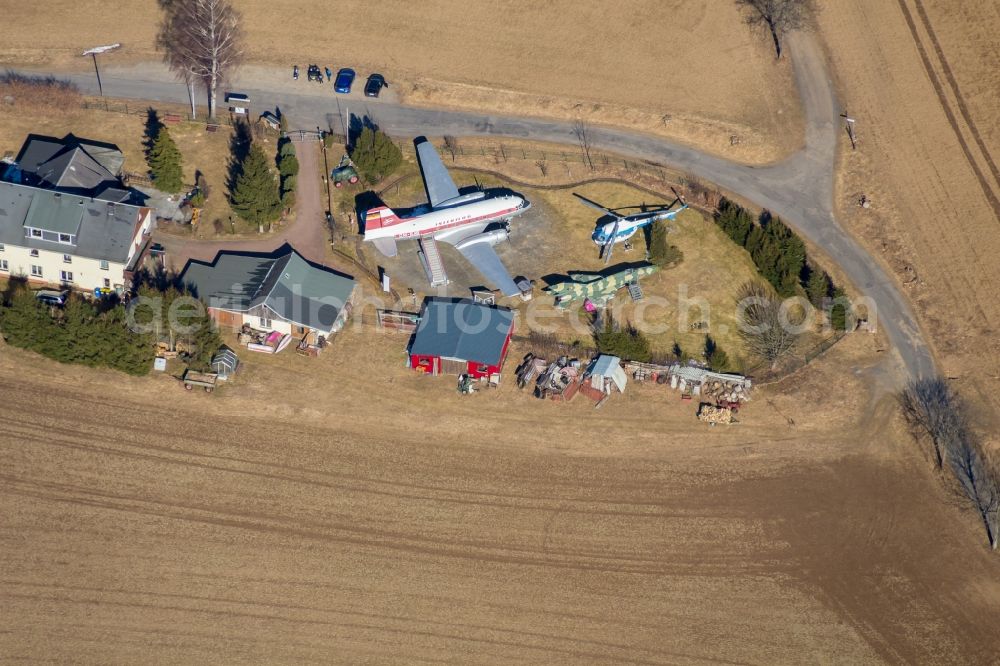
(283, 293)
(70, 239)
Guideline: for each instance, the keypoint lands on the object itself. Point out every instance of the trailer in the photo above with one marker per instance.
(205, 380)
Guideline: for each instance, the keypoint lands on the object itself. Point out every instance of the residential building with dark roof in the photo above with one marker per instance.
(69, 239)
(283, 293)
(73, 166)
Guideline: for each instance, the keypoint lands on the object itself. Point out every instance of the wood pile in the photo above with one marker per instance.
(724, 391)
(712, 414)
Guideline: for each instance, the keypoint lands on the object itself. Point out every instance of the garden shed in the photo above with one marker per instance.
(225, 362)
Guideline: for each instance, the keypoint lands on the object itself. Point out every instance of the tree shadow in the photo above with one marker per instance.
(239, 148)
(363, 202)
(356, 125)
(158, 278)
(153, 127)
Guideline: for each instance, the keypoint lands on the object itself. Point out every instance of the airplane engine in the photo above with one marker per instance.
(491, 237)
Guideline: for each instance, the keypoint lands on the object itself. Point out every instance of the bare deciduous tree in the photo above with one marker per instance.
(763, 325)
(933, 407)
(779, 17)
(582, 133)
(928, 406)
(451, 145)
(203, 43)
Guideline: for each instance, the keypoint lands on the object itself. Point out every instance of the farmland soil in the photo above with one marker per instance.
(307, 514)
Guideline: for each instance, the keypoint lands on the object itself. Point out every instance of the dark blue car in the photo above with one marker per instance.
(345, 78)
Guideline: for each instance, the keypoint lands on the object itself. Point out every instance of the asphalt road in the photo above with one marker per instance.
(799, 189)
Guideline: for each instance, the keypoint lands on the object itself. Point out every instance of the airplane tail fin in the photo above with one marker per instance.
(379, 218)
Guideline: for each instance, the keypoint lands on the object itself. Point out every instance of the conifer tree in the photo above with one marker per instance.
(255, 196)
(818, 287)
(375, 155)
(165, 163)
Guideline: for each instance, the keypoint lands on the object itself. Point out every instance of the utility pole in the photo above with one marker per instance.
(93, 54)
(849, 122)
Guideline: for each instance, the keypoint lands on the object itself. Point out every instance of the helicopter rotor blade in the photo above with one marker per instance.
(609, 245)
(679, 197)
(594, 204)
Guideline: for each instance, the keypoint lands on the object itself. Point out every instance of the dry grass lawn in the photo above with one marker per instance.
(702, 288)
(686, 69)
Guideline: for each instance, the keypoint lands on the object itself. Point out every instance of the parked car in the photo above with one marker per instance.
(295, 72)
(375, 84)
(52, 297)
(315, 74)
(345, 78)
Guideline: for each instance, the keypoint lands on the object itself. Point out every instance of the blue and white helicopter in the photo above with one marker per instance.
(624, 227)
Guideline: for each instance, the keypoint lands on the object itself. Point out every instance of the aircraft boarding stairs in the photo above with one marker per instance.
(430, 258)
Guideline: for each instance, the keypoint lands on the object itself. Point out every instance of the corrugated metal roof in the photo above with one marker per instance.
(462, 330)
(609, 367)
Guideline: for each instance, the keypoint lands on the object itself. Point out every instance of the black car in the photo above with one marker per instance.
(315, 74)
(375, 84)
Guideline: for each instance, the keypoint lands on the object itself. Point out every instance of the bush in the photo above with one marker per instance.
(255, 196)
(40, 92)
(285, 149)
(661, 252)
(735, 220)
(288, 166)
(164, 161)
(778, 254)
(79, 334)
(839, 309)
(818, 287)
(375, 155)
(718, 360)
(627, 343)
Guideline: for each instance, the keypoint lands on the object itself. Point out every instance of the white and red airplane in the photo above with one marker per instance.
(473, 222)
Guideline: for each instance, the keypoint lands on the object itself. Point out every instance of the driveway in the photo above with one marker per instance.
(307, 233)
(799, 188)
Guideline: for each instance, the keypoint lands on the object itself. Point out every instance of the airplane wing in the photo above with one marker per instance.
(440, 187)
(387, 246)
(480, 253)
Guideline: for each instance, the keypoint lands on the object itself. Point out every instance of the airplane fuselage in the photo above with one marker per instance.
(478, 209)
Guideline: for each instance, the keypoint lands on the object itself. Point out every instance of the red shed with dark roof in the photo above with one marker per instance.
(456, 337)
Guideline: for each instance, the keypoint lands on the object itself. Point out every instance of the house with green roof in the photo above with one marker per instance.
(283, 293)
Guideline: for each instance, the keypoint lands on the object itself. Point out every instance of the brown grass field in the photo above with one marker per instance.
(927, 159)
(272, 522)
(619, 65)
(346, 510)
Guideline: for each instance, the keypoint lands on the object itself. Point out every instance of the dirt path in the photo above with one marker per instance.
(307, 234)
